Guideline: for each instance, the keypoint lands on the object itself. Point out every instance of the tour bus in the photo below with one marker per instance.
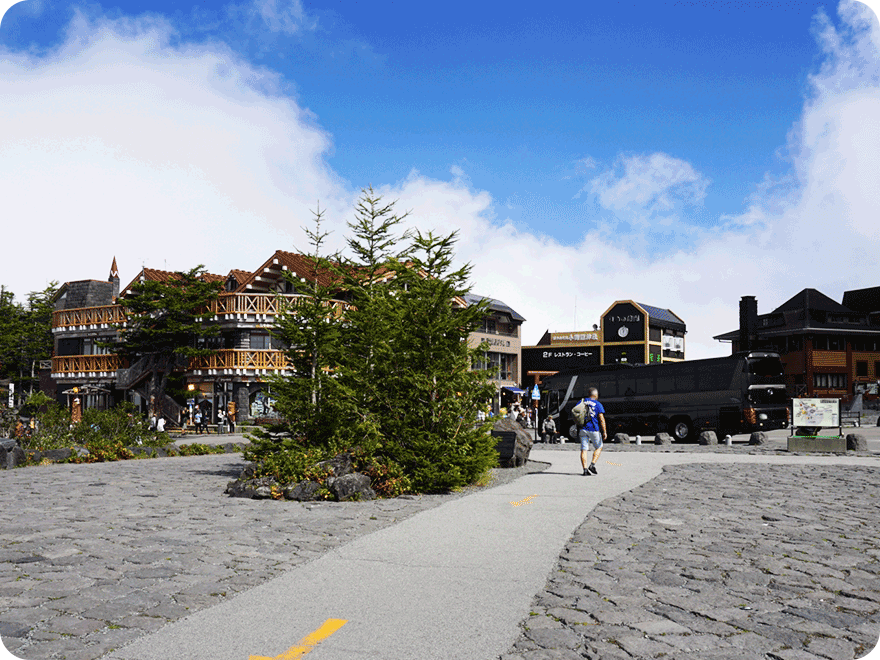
(741, 393)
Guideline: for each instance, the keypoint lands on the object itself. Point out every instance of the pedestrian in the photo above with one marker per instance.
(592, 431)
(221, 420)
(160, 424)
(230, 417)
(549, 430)
(198, 421)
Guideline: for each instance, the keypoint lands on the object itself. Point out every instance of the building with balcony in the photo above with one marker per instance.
(87, 314)
(500, 330)
(828, 349)
(627, 332)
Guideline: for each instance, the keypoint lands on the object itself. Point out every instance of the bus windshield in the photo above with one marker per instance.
(763, 396)
(766, 369)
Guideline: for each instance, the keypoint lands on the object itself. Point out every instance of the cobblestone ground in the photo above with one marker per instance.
(93, 556)
(728, 562)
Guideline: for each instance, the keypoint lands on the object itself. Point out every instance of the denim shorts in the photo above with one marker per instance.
(590, 438)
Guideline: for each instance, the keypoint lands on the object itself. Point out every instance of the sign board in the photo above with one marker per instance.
(11, 395)
(536, 393)
(815, 412)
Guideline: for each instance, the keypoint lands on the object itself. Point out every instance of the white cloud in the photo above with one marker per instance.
(652, 182)
(122, 144)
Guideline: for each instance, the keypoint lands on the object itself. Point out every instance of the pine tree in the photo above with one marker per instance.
(311, 331)
(166, 323)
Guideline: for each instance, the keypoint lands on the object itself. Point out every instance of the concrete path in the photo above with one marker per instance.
(452, 582)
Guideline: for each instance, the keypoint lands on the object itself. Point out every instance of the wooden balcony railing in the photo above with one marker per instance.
(106, 314)
(241, 359)
(262, 303)
(74, 364)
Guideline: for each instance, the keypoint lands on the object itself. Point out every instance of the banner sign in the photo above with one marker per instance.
(816, 412)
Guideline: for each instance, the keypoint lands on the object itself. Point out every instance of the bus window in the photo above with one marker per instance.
(627, 386)
(685, 382)
(645, 386)
(665, 384)
(607, 388)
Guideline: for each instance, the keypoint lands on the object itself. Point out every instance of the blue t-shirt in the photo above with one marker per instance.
(593, 420)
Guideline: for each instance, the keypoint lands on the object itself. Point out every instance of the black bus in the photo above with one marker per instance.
(741, 393)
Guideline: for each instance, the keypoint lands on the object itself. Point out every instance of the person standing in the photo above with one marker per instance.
(593, 432)
(549, 430)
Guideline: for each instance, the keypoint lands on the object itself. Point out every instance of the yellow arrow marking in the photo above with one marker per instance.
(307, 643)
(524, 501)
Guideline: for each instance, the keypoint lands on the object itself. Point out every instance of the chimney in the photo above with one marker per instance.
(748, 322)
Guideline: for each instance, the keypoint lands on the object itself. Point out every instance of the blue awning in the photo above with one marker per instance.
(515, 390)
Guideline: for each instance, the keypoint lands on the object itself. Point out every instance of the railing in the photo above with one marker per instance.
(72, 364)
(263, 303)
(241, 359)
(106, 314)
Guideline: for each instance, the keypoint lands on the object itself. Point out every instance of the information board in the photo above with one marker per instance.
(816, 412)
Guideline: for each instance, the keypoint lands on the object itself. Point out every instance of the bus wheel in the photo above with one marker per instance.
(681, 428)
(573, 432)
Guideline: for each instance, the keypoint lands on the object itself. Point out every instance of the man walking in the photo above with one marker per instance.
(591, 430)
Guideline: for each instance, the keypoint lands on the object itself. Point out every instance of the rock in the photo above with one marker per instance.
(708, 438)
(231, 448)
(621, 438)
(662, 439)
(304, 491)
(82, 452)
(352, 486)
(856, 442)
(338, 466)
(522, 445)
(758, 438)
(57, 454)
(15, 457)
(257, 489)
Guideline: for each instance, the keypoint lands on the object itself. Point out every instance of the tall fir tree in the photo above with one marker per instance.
(167, 323)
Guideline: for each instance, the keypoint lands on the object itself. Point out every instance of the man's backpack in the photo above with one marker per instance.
(582, 413)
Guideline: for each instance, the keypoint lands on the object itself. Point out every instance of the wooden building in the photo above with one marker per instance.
(828, 349)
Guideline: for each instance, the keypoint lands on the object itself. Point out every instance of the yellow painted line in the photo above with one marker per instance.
(524, 501)
(307, 643)
(610, 463)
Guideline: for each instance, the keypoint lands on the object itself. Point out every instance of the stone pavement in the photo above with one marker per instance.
(732, 562)
(94, 556)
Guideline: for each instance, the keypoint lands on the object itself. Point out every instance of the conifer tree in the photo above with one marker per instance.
(166, 323)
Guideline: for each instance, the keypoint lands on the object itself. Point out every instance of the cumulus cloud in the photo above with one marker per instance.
(120, 143)
(126, 142)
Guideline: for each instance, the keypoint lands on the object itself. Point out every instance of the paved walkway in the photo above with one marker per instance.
(95, 556)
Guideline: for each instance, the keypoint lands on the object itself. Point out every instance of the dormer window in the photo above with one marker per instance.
(231, 283)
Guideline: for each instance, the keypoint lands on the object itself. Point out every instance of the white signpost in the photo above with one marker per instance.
(816, 412)
(808, 417)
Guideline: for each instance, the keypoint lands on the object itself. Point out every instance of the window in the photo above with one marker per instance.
(861, 368)
(820, 343)
(836, 344)
(260, 342)
(645, 385)
(794, 344)
(829, 381)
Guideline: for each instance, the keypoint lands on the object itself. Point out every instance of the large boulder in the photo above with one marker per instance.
(338, 466)
(15, 457)
(708, 438)
(258, 489)
(856, 442)
(621, 438)
(522, 445)
(304, 491)
(758, 438)
(351, 486)
(662, 439)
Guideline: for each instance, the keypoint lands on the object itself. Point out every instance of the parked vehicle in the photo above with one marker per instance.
(740, 393)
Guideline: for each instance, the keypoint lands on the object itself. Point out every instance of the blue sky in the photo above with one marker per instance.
(679, 154)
